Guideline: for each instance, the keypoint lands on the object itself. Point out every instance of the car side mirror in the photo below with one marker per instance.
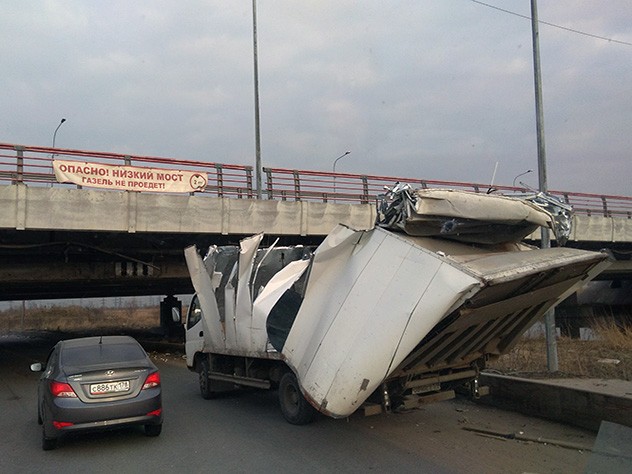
(36, 367)
(175, 315)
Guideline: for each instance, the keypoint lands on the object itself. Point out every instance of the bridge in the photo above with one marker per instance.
(76, 239)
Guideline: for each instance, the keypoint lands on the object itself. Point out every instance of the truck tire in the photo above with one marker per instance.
(205, 383)
(295, 408)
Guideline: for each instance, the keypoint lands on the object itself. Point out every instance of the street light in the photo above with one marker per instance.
(334, 167)
(521, 174)
(52, 157)
(341, 156)
(55, 134)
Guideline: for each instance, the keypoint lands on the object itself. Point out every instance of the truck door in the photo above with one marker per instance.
(195, 328)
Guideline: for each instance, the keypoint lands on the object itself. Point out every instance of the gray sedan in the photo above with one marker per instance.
(98, 382)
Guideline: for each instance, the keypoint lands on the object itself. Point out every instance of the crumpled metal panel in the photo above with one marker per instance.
(366, 306)
(562, 213)
(471, 217)
(238, 287)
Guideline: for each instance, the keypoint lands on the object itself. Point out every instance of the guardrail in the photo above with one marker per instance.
(341, 187)
(33, 165)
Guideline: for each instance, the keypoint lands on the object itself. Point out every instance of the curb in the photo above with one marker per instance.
(574, 406)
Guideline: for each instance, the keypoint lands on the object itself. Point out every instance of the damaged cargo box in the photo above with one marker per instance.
(375, 318)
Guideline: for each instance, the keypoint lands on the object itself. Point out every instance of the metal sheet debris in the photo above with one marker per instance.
(472, 217)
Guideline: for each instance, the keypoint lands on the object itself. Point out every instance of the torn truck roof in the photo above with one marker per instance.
(472, 217)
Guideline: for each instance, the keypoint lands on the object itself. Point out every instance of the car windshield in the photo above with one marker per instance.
(98, 354)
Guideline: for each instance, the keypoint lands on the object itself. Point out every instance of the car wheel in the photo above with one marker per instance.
(48, 443)
(295, 408)
(153, 430)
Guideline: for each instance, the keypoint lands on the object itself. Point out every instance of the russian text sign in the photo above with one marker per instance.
(129, 178)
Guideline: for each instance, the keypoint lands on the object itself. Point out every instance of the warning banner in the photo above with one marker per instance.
(129, 178)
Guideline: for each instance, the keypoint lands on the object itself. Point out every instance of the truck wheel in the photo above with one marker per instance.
(205, 382)
(295, 408)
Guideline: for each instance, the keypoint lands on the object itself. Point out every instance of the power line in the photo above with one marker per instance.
(553, 24)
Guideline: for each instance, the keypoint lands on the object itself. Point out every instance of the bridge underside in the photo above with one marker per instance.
(53, 265)
(61, 264)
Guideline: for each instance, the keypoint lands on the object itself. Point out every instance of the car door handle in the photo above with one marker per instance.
(201, 333)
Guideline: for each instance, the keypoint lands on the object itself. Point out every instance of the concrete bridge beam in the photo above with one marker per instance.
(41, 208)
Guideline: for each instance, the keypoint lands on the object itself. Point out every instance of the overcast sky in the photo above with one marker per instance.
(436, 89)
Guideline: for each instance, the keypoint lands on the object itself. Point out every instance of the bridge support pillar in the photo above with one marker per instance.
(170, 327)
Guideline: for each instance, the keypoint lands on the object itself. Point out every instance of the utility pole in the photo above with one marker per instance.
(549, 317)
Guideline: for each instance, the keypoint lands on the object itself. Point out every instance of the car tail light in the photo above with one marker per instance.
(152, 380)
(61, 424)
(62, 390)
(155, 412)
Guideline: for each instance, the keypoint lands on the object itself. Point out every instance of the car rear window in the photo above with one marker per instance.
(101, 354)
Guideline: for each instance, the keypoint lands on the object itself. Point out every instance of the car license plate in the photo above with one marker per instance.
(109, 387)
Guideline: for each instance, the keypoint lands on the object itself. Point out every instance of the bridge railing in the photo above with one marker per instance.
(352, 188)
(33, 165)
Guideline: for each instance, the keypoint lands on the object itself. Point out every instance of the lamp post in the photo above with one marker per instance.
(52, 156)
(334, 167)
(521, 174)
(258, 169)
(545, 241)
(341, 156)
(55, 134)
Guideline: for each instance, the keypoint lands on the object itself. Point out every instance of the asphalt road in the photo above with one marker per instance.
(246, 433)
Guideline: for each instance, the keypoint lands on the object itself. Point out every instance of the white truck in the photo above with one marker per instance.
(377, 319)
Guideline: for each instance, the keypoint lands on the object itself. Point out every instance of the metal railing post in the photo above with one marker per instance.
(365, 190)
(297, 185)
(249, 183)
(220, 180)
(127, 161)
(269, 186)
(604, 203)
(20, 163)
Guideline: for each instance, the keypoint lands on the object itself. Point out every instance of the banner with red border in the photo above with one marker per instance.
(129, 178)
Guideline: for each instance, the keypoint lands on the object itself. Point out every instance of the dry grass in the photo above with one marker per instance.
(609, 356)
(77, 318)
